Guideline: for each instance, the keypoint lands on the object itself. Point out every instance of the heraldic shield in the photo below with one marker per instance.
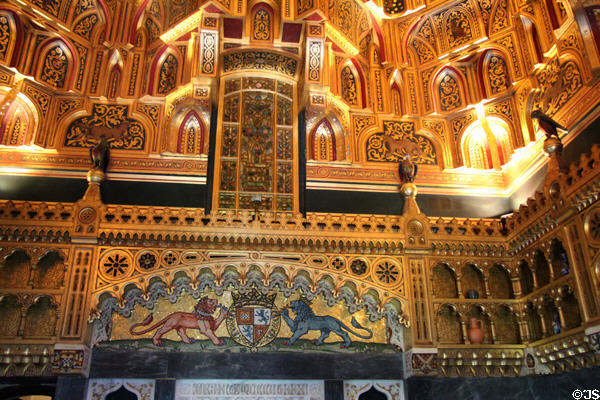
(253, 320)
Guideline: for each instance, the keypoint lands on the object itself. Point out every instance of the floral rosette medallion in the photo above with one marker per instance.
(253, 320)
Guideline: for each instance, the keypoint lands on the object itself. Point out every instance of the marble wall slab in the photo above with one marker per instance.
(163, 365)
(193, 389)
(533, 387)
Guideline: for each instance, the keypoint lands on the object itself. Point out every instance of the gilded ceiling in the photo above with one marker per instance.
(451, 84)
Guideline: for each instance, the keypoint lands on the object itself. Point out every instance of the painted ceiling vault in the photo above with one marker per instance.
(450, 83)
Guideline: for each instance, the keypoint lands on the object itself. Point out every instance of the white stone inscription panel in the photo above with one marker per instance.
(193, 389)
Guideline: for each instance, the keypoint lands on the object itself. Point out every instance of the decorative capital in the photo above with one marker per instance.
(71, 359)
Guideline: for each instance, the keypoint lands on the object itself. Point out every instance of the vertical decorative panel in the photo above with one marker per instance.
(134, 74)
(256, 144)
(419, 292)
(5, 36)
(262, 25)
(167, 75)
(74, 317)
(208, 51)
(349, 86)
(96, 73)
(575, 240)
(314, 61)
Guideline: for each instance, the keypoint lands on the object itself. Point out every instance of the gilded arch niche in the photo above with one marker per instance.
(494, 73)
(11, 36)
(449, 90)
(187, 130)
(57, 63)
(486, 146)
(165, 71)
(326, 139)
(350, 86)
(20, 121)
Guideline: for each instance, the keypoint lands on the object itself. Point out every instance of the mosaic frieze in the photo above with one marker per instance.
(210, 320)
(261, 60)
(110, 121)
(397, 140)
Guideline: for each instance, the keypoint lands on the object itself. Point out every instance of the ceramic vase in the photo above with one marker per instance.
(474, 331)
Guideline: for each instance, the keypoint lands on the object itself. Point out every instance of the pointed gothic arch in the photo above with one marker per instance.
(11, 25)
(57, 63)
(165, 71)
(191, 137)
(322, 142)
(449, 90)
(494, 73)
(262, 23)
(20, 122)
